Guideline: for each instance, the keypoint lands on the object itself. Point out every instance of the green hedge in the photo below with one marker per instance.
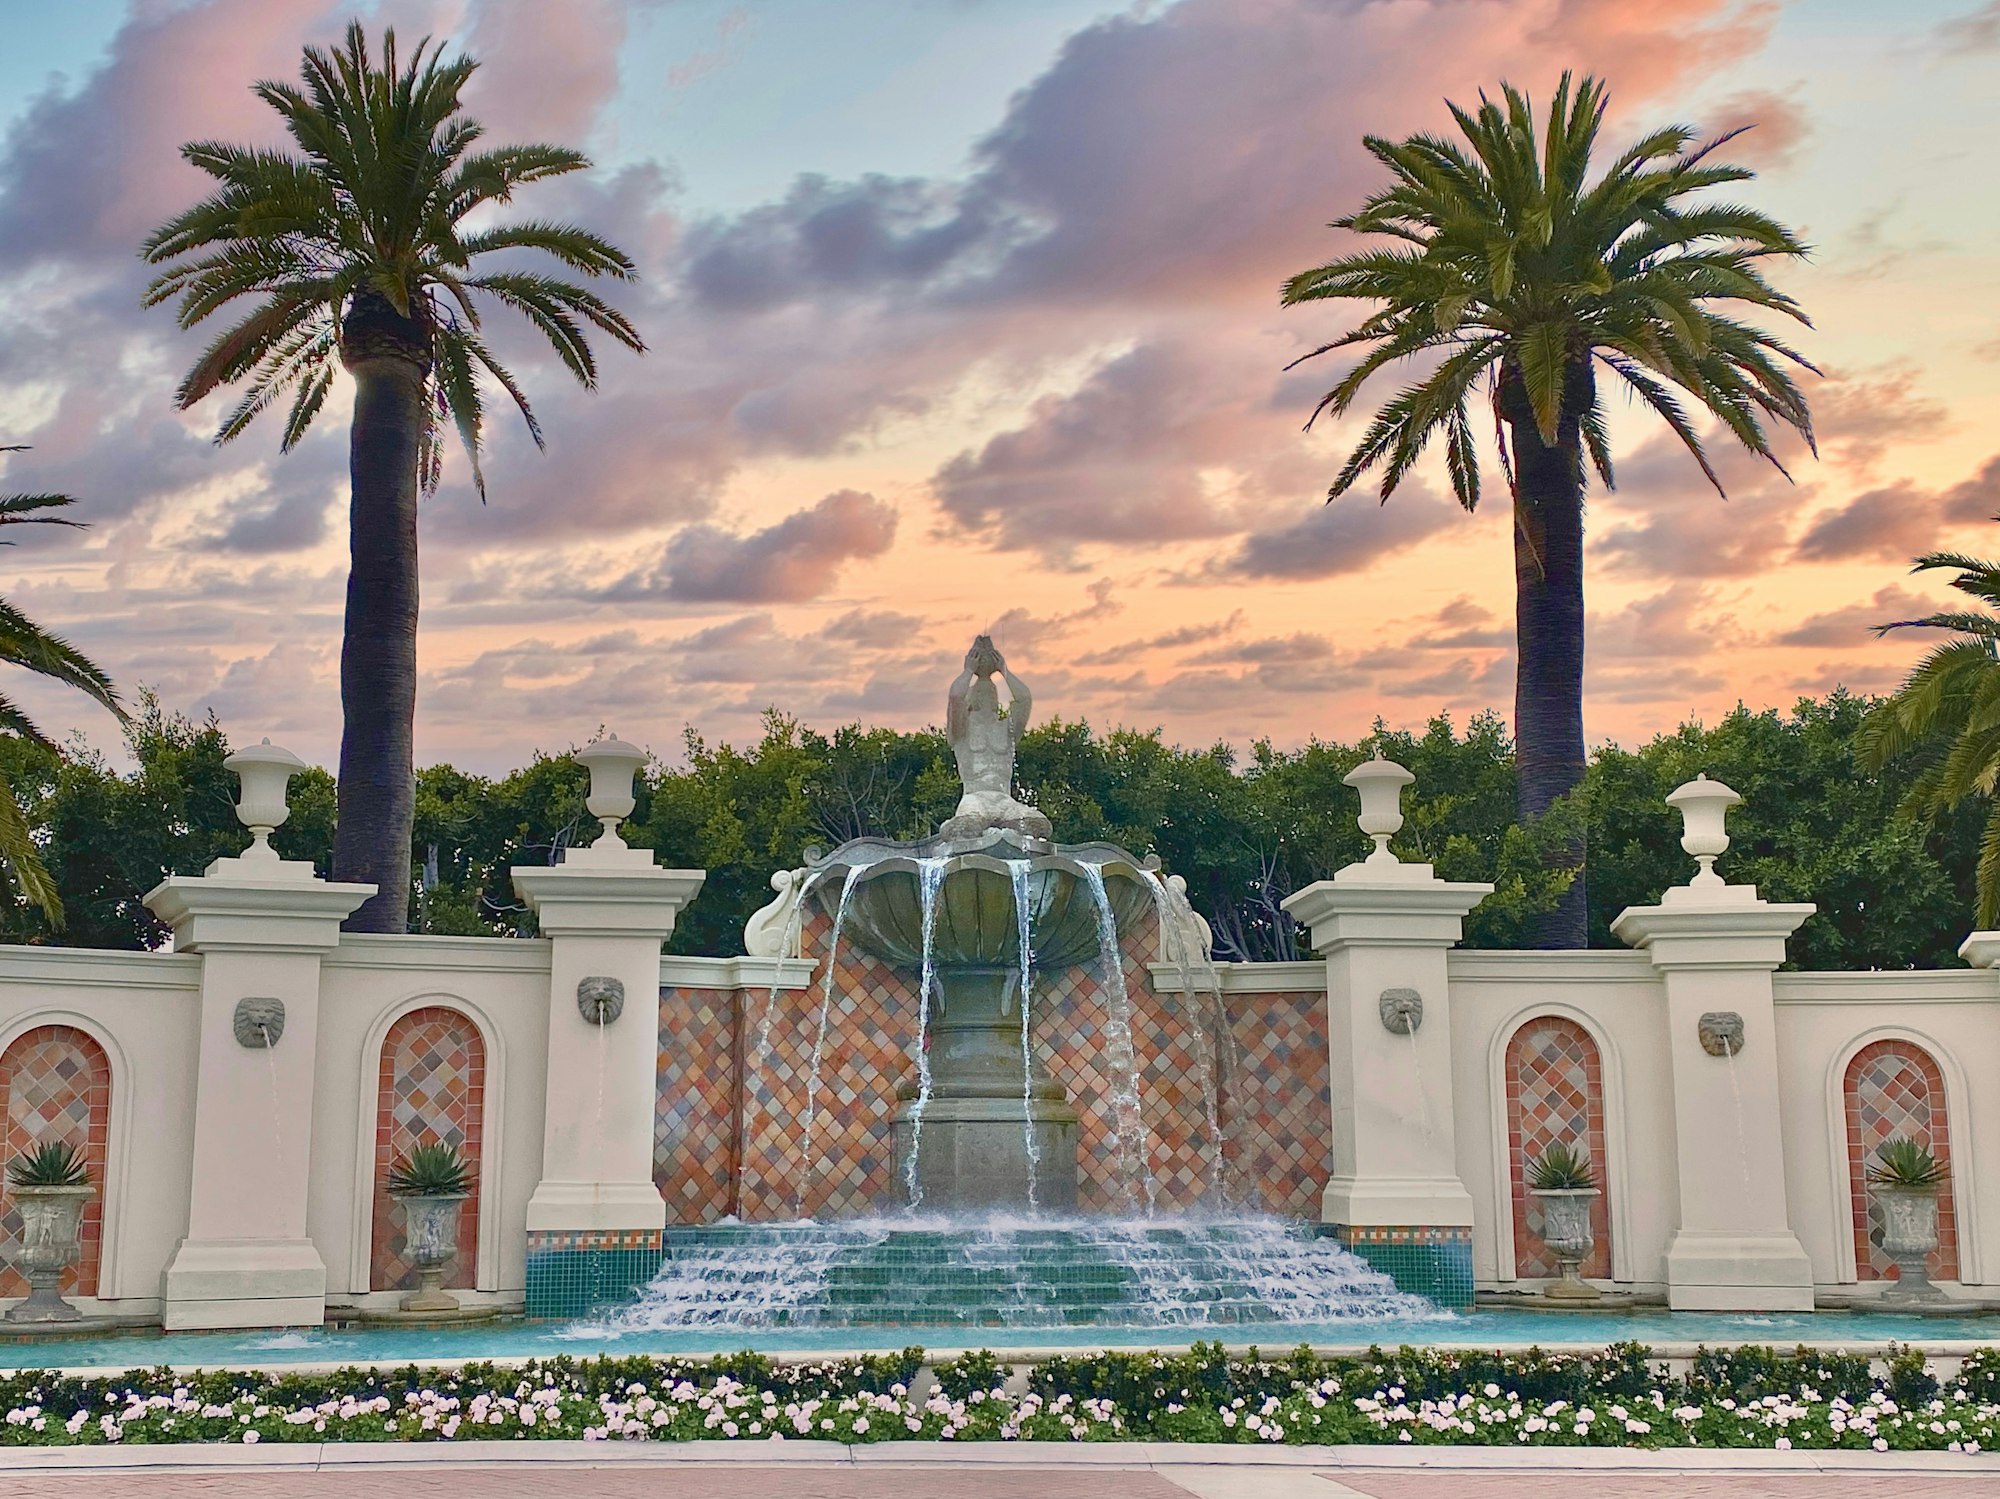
(1622, 1396)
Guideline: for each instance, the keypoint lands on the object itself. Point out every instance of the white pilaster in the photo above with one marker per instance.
(1384, 925)
(1715, 947)
(607, 909)
(261, 927)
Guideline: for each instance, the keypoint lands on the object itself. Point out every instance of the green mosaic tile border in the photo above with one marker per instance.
(570, 1275)
(1432, 1262)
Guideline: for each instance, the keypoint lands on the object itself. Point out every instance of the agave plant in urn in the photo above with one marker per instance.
(51, 1187)
(1907, 1178)
(1562, 1181)
(430, 1183)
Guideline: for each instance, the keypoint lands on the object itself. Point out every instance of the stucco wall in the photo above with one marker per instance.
(140, 1007)
(143, 1009)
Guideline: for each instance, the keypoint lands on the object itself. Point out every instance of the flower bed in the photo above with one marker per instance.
(1620, 1397)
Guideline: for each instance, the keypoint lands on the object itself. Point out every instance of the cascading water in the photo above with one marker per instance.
(930, 879)
(1017, 871)
(1021, 1271)
(819, 1039)
(1120, 1056)
(987, 1138)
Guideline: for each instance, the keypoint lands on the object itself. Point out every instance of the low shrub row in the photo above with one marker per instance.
(1618, 1397)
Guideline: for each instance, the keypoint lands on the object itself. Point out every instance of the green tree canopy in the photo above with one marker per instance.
(1893, 883)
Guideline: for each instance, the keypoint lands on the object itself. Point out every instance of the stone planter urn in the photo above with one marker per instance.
(430, 1240)
(51, 1228)
(1566, 1231)
(1909, 1234)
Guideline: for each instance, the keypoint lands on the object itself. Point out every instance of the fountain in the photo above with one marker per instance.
(979, 912)
(981, 1223)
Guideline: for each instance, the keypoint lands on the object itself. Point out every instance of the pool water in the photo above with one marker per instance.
(522, 1339)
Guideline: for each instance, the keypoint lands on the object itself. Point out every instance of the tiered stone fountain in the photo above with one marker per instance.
(983, 1229)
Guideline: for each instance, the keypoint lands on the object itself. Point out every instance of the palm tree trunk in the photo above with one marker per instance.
(388, 356)
(1548, 631)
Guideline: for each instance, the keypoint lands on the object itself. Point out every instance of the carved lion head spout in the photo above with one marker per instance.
(1402, 1011)
(1721, 1033)
(258, 1023)
(601, 1000)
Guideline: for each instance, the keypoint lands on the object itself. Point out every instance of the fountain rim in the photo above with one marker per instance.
(908, 856)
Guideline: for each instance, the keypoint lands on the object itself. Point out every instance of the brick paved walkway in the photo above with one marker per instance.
(980, 1482)
(583, 1483)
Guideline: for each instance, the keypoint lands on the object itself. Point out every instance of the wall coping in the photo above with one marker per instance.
(681, 972)
(1585, 966)
(1242, 978)
(421, 951)
(1887, 986)
(104, 967)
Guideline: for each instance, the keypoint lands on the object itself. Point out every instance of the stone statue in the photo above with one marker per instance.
(983, 743)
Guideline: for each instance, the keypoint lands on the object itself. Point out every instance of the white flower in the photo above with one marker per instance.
(1783, 1444)
(250, 1438)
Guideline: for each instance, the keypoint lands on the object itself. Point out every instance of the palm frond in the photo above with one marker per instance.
(371, 197)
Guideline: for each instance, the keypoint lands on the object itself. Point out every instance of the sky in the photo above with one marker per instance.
(962, 315)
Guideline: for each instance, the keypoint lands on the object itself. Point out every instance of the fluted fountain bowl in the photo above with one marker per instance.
(976, 922)
(983, 1123)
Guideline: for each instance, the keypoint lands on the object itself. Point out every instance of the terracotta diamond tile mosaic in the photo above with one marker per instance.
(1076, 1031)
(738, 1095)
(695, 1124)
(57, 1084)
(432, 1091)
(1555, 1092)
(846, 1105)
(1277, 1102)
(1894, 1088)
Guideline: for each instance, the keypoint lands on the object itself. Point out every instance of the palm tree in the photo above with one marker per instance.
(358, 254)
(25, 643)
(1947, 713)
(1513, 264)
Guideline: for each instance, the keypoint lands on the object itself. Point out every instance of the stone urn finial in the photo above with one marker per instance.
(612, 764)
(1380, 783)
(265, 770)
(1704, 805)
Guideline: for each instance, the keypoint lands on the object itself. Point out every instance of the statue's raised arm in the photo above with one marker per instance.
(1020, 703)
(982, 742)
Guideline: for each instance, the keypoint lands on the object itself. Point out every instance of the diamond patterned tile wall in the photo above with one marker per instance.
(1555, 1092)
(695, 1125)
(432, 1090)
(864, 1051)
(57, 1084)
(736, 1092)
(1277, 1102)
(1894, 1088)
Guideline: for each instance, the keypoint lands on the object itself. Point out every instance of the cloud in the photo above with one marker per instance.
(1126, 458)
(1900, 520)
(797, 559)
(1856, 623)
(1977, 32)
(1347, 536)
(1774, 127)
(1172, 640)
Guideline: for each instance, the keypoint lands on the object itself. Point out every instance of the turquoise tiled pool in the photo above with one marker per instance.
(521, 1339)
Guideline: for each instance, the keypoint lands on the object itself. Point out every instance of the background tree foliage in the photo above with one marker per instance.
(1892, 891)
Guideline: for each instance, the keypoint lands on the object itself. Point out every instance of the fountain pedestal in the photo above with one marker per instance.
(997, 1130)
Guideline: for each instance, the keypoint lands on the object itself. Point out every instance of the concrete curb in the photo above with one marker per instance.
(1164, 1457)
(1942, 1352)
